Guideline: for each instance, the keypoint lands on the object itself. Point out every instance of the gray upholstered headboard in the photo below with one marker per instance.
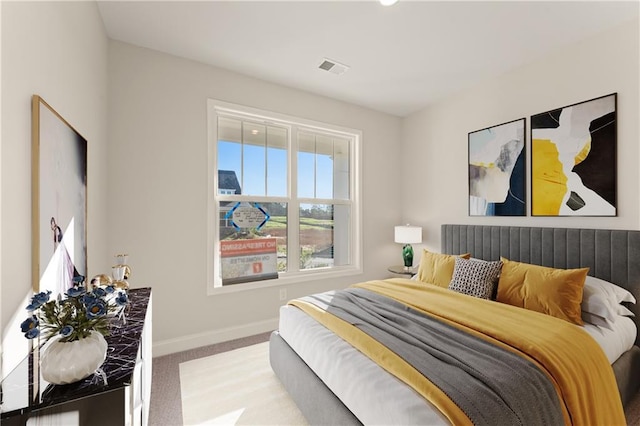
(612, 255)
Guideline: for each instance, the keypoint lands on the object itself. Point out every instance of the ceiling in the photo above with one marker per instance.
(402, 58)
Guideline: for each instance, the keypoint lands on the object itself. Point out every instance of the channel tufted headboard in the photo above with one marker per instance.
(612, 255)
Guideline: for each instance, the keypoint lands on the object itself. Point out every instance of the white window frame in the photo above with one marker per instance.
(216, 108)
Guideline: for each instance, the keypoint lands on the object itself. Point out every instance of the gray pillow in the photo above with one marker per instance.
(475, 277)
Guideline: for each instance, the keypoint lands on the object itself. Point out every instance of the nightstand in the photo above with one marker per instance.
(401, 270)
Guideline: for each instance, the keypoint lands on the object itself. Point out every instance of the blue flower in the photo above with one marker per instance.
(72, 314)
(76, 291)
(89, 299)
(78, 279)
(32, 334)
(42, 296)
(30, 327)
(29, 324)
(38, 300)
(122, 299)
(66, 330)
(33, 306)
(96, 309)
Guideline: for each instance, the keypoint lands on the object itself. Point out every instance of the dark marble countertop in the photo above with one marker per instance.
(123, 341)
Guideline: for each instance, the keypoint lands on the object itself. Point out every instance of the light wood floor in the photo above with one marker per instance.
(166, 404)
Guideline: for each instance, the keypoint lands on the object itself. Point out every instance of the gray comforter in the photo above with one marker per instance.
(491, 385)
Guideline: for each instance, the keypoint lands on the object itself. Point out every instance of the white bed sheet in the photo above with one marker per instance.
(361, 384)
(366, 388)
(617, 341)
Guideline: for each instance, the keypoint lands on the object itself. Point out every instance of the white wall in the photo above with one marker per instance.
(435, 139)
(158, 189)
(147, 179)
(57, 50)
(2, 368)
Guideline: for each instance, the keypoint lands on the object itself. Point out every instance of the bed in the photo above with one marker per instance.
(328, 392)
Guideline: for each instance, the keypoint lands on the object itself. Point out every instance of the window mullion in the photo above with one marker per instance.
(292, 163)
(315, 166)
(293, 209)
(266, 160)
(242, 155)
(324, 201)
(293, 237)
(252, 198)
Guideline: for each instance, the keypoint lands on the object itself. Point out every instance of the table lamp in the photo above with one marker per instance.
(406, 235)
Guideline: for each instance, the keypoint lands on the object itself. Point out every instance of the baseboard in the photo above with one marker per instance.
(192, 341)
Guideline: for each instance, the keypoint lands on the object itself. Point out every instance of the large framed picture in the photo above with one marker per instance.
(59, 200)
(573, 159)
(497, 170)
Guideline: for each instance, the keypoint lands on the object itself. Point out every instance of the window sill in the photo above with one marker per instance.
(285, 279)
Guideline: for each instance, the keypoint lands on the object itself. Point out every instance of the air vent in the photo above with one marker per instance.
(333, 67)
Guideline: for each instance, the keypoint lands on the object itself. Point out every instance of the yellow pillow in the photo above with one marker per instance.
(436, 268)
(555, 292)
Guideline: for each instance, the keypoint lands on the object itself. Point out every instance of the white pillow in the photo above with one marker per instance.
(594, 319)
(602, 298)
(624, 311)
(615, 293)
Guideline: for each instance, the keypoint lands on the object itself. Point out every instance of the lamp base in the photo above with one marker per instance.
(407, 256)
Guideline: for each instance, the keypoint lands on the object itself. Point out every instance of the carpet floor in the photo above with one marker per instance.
(232, 383)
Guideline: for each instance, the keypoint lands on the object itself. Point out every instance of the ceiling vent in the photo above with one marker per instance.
(333, 67)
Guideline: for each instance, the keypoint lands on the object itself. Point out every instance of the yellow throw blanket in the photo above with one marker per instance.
(573, 361)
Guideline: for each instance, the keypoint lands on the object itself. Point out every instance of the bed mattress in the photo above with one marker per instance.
(359, 383)
(616, 341)
(362, 385)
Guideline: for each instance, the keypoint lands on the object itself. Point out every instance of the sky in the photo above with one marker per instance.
(252, 182)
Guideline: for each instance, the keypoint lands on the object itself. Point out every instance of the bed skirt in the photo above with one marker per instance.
(627, 371)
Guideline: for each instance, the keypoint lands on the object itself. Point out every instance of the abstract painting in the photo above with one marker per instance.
(59, 199)
(497, 170)
(573, 159)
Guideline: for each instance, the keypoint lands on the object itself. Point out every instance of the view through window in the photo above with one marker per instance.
(284, 196)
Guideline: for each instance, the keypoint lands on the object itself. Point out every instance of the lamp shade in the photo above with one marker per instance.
(406, 234)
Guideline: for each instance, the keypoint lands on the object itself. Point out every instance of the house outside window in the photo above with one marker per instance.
(284, 199)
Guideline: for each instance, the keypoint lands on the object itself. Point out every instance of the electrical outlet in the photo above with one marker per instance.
(283, 294)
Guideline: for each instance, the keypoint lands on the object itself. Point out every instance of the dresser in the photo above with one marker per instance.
(124, 400)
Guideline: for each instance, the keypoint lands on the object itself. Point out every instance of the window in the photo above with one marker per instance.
(283, 198)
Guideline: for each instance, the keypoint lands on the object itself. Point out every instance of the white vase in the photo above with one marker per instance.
(68, 362)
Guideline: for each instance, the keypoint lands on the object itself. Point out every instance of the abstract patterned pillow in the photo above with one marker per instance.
(475, 277)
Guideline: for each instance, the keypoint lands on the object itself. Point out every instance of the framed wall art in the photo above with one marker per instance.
(573, 159)
(59, 200)
(497, 170)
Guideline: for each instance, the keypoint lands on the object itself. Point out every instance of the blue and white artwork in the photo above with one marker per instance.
(497, 170)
